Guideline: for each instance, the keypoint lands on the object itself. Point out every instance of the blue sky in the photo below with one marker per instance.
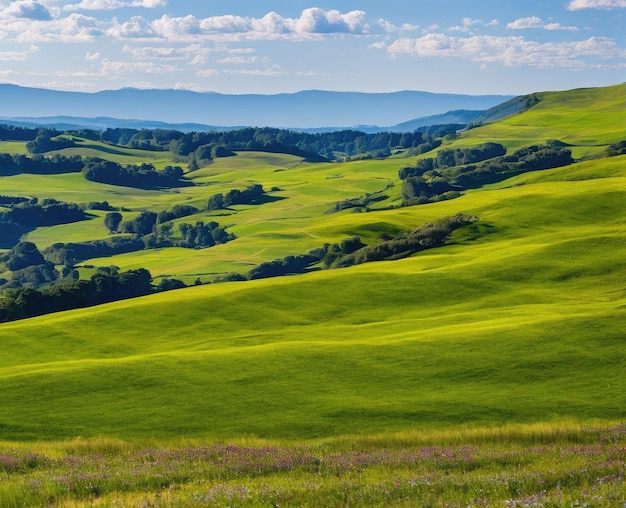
(275, 46)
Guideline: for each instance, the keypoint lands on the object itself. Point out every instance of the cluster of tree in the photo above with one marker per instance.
(106, 285)
(426, 237)
(143, 176)
(204, 154)
(12, 200)
(248, 196)
(361, 203)
(352, 251)
(616, 149)
(141, 225)
(193, 236)
(43, 142)
(203, 235)
(289, 265)
(23, 215)
(454, 157)
(417, 190)
(176, 212)
(71, 253)
(454, 170)
(14, 133)
(38, 164)
(200, 145)
(146, 234)
(462, 156)
(27, 267)
(47, 212)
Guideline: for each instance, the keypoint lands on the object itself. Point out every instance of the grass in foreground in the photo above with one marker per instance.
(516, 466)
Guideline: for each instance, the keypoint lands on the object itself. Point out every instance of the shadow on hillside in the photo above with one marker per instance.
(106, 149)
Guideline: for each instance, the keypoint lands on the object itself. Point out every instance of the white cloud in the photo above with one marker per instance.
(13, 56)
(149, 4)
(136, 27)
(467, 23)
(389, 27)
(316, 20)
(312, 22)
(27, 9)
(92, 56)
(106, 5)
(118, 67)
(535, 22)
(524, 23)
(75, 28)
(510, 51)
(576, 5)
(239, 60)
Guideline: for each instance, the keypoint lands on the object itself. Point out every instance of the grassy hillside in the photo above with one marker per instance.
(588, 119)
(520, 318)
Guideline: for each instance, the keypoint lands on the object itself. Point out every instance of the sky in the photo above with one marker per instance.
(281, 46)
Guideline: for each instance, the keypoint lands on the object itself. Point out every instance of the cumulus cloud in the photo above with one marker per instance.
(316, 20)
(29, 10)
(30, 21)
(524, 23)
(467, 24)
(510, 51)
(576, 5)
(136, 27)
(535, 22)
(313, 21)
(75, 28)
(389, 27)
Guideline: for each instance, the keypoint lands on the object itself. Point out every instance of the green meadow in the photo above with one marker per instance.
(518, 323)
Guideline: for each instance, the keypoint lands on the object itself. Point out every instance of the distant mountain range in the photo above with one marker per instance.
(65, 123)
(186, 110)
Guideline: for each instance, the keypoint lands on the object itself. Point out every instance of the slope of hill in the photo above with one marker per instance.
(519, 318)
(585, 119)
(305, 109)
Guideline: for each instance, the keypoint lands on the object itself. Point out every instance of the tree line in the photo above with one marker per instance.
(38, 164)
(106, 285)
(142, 176)
(315, 146)
(453, 170)
(22, 215)
(352, 251)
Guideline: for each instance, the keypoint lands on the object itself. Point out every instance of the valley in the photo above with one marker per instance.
(509, 334)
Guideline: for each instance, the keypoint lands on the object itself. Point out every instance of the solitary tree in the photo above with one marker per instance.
(112, 221)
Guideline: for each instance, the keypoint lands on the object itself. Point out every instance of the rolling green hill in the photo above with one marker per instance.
(519, 318)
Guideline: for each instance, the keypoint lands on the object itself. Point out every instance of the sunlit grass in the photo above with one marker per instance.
(506, 342)
(515, 466)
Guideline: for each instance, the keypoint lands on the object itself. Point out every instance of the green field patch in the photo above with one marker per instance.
(13, 147)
